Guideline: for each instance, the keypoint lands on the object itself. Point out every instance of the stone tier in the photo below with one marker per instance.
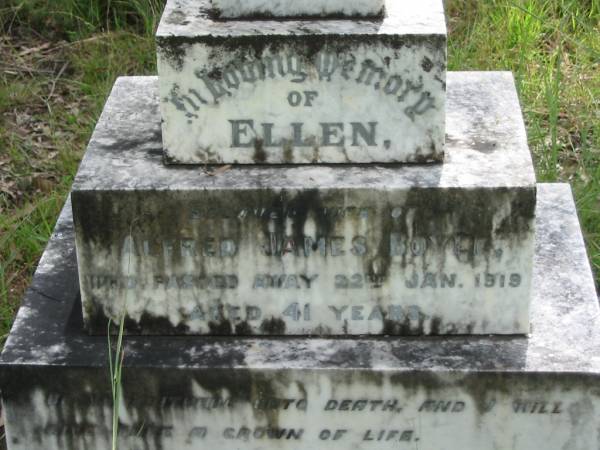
(264, 9)
(309, 250)
(455, 393)
(303, 91)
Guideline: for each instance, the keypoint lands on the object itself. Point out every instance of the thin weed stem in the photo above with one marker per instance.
(115, 361)
(116, 368)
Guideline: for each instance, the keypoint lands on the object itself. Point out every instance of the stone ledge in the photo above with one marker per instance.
(190, 18)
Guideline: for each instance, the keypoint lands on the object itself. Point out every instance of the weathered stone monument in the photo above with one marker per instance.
(424, 293)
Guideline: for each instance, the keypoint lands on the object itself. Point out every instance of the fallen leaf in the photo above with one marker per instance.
(219, 170)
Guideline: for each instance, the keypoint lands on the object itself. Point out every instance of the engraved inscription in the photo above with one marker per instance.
(303, 265)
(214, 85)
(224, 82)
(268, 420)
(244, 134)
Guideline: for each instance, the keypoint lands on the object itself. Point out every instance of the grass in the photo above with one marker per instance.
(58, 62)
(59, 59)
(115, 360)
(553, 48)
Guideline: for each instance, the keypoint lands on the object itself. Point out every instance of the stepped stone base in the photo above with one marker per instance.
(459, 393)
(305, 250)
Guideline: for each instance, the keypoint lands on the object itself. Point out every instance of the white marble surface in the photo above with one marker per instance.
(232, 9)
(303, 91)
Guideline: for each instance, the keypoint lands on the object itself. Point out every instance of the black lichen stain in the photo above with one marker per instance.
(97, 322)
(221, 328)
(260, 155)
(485, 389)
(522, 212)
(436, 326)
(152, 325)
(154, 395)
(148, 325)
(288, 152)
(216, 14)
(425, 326)
(66, 393)
(402, 328)
(157, 394)
(306, 46)
(244, 329)
(273, 326)
(437, 156)
(437, 212)
(173, 52)
(427, 64)
(105, 220)
(357, 355)
(168, 159)
(303, 204)
(93, 213)
(215, 74)
(345, 327)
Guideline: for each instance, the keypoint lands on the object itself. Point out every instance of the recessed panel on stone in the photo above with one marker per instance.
(261, 9)
(309, 250)
(303, 91)
(459, 393)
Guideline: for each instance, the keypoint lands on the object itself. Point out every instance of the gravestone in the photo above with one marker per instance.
(425, 305)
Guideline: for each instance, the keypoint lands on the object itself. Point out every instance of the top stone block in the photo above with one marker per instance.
(237, 9)
(303, 91)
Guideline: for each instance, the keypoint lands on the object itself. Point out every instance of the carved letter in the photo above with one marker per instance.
(240, 128)
(333, 130)
(367, 136)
